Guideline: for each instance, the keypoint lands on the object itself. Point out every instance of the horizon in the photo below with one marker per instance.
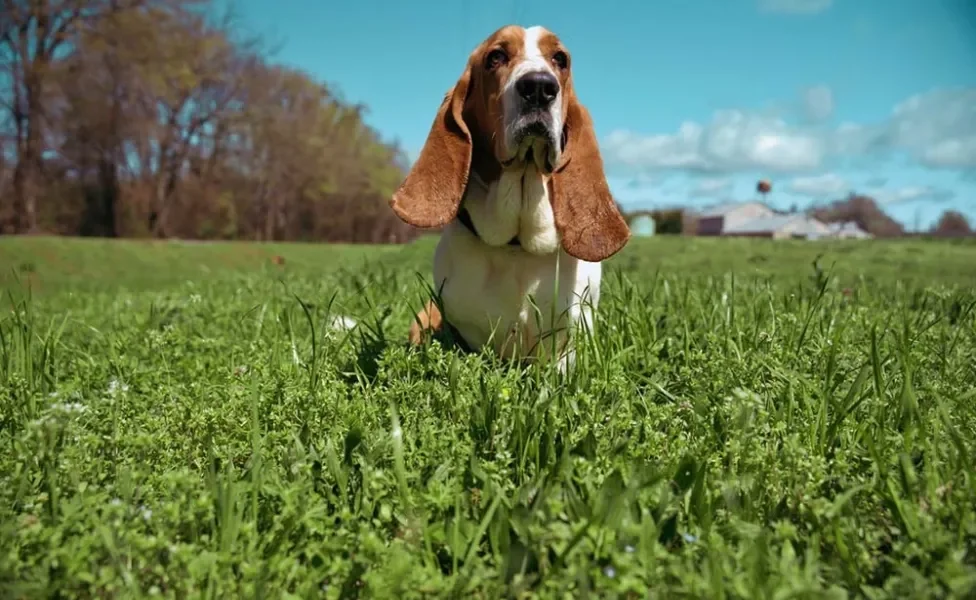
(887, 109)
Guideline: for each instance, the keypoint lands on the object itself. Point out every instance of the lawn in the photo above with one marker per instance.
(752, 419)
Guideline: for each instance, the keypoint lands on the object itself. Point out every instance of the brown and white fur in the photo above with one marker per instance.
(513, 146)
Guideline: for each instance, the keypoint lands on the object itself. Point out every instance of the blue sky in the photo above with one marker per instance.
(693, 100)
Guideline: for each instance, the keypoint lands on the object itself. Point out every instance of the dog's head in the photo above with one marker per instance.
(514, 104)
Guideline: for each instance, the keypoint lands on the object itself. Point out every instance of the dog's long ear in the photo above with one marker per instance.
(589, 224)
(431, 193)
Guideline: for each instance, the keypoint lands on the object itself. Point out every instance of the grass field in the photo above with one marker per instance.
(749, 421)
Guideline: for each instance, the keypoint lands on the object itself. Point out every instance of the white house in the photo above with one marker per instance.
(718, 219)
(755, 219)
(779, 227)
(848, 230)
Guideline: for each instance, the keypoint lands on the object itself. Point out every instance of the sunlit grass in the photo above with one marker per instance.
(746, 422)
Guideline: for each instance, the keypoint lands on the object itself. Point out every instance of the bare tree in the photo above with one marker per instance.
(862, 210)
(952, 223)
(33, 36)
(148, 117)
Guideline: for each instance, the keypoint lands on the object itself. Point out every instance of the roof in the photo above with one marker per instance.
(725, 208)
(762, 224)
(845, 227)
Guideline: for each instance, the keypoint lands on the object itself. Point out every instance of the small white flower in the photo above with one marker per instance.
(115, 386)
(343, 323)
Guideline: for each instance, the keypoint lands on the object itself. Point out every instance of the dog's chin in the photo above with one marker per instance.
(535, 141)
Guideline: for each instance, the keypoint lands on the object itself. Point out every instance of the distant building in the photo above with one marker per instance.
(848, 230)
(719, 219)
(755, 219)
(642, 226)
(780, 227)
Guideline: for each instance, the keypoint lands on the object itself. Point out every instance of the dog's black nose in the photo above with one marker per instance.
(538, 90)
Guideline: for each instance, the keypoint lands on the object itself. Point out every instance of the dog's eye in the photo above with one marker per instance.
(495, 59)
(560, 59)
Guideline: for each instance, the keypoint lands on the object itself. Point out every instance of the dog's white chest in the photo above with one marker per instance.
(509, 299)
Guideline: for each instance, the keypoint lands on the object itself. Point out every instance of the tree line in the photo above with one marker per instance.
(870, 217)
(856, 208)
(155, 118)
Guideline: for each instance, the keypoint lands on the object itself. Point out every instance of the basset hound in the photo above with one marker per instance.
(512, 172)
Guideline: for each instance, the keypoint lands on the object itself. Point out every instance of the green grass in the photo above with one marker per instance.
(179, 420)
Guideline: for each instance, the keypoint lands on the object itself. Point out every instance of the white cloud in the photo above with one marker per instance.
(908, 194)
(712, 187)
(818, 102)
(851, 139)
(795, 7)
(734, 140)
(828, 184)
(667, 151)
(951, 153)
(937, 129)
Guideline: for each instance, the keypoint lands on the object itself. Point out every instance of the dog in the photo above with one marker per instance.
(512, 173)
